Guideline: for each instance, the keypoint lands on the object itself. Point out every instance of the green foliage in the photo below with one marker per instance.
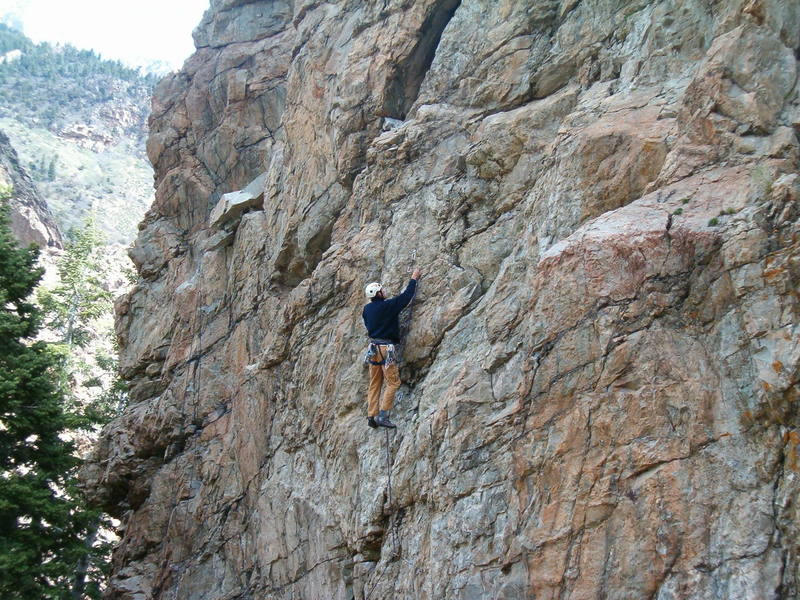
(130, 274)
(72, 309)
(43, 522)
(727, 211)
(45, 80)
(713, 222)
(6, 191)
(678, 211)
(44, 168)
(66, 61)
(11, 39)
(80, 296)
(51, 169)
(113, 398)
(685, 201)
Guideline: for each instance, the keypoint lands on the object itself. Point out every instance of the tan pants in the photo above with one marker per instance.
(377, 373)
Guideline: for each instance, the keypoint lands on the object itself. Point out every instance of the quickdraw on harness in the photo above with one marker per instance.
(374, 349)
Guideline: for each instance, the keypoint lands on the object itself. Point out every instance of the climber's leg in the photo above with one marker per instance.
(375, 382)
(391, 373)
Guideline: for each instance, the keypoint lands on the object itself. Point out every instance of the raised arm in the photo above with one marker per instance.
(400, 302)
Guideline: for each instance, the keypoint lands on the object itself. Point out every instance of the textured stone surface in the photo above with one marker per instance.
(601, 371)
(31, 220)
(231, 206)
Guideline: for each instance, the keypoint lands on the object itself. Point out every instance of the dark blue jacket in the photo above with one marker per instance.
(380, 316)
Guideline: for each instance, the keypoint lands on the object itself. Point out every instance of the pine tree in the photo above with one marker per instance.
(80, 296)
(51, 169)
(42, 522)
(71, 309)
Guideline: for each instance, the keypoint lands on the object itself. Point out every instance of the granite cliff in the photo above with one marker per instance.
(601, 370)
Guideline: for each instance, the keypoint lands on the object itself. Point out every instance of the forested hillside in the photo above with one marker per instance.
(52, 86)
(76, 127)
(79, 124)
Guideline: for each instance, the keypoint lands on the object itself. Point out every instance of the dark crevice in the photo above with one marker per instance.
(304, 11)
(372, 544)
(406, 79)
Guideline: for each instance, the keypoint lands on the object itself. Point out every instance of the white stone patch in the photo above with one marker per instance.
(231, 206)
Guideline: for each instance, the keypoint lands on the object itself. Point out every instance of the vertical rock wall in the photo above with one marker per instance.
(600, 394)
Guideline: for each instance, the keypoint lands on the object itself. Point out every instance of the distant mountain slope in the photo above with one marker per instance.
(31, 221)
(79, 124)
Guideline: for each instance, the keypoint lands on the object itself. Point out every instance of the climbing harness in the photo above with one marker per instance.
(374, 349)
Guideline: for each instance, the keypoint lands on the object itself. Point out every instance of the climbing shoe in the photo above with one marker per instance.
(382, 420)
(371, 422)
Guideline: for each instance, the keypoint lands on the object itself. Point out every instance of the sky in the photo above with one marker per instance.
(137, 32)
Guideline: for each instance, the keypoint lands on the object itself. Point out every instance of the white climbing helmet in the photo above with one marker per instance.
(372, 289)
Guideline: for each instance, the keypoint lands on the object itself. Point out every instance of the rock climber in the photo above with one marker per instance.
(383, 328)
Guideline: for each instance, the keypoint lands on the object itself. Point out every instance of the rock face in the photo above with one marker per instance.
(600, 375)
(31, 220)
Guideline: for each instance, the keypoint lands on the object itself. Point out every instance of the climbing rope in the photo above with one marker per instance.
(393, 526)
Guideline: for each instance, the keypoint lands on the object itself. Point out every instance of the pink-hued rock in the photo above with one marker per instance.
(600, 372)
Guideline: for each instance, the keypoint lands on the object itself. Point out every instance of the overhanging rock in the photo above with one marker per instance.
(232, 205)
